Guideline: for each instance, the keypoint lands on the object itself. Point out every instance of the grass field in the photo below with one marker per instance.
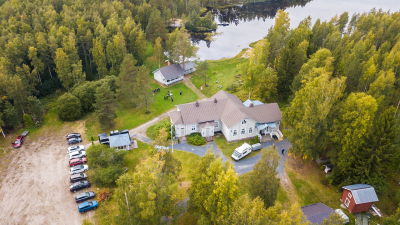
(229, 147)
(224, 71)
(130, 117)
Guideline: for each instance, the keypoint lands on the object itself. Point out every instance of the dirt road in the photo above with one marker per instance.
(35, 189)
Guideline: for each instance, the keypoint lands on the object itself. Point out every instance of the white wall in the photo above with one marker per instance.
(239, 126)
(160, 78)
(219, 128)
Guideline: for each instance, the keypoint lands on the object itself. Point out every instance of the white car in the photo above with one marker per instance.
(78, 169)
(77, 154)
(75, 148)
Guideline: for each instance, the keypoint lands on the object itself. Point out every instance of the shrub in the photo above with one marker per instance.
(195, 139)
(69, 107)
(35, 109)
(106, 163)
(165, 123)
(49, 86)
(27, 120)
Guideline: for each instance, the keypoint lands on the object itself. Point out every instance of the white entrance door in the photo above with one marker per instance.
(208, 132)
(182, 132)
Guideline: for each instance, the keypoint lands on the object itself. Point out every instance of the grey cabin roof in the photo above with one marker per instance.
(362, 193)
(172, 71)
(188, 65)
(316, 213)
(226, 107)
(119, 140)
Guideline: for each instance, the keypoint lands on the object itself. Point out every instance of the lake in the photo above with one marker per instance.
(249, 23)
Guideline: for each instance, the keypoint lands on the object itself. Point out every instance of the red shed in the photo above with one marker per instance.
(358, 197)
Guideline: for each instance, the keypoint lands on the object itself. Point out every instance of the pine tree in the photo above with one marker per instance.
(105, 105)
(156, 27)
(144, 96)
(126, 79)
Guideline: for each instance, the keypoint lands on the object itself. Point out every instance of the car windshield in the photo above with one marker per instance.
(87, 194)
(237, 154)
(90, 203)
(17, 142)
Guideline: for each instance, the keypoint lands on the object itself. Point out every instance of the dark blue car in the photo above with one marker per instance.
(86, 206)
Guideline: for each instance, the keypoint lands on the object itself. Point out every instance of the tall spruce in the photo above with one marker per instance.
(105, 105)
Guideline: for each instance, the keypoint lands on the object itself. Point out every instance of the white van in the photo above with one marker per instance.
(241, 151)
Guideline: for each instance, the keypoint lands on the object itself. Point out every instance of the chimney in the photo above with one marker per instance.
(197, 104)
(251, 105)
(215, 100)
(169, 63)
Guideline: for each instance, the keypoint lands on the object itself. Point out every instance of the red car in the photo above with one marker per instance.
(77, 161)
(18, 142)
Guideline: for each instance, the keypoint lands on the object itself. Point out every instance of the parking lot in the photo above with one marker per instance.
(35, 189)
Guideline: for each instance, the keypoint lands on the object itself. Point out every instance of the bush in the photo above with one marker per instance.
(69, 107)
(35, 109)
(195, 139)
(104, 195)
(155, 130)
(27, 120)
(106, 163)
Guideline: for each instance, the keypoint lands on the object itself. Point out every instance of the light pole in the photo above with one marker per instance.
(172, 140)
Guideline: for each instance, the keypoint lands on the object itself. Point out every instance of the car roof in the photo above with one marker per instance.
(83, 205)
(19, 137)
(241, 148)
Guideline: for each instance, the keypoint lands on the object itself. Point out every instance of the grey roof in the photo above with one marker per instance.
(188, 65)
(207, 124)
(362, 193)
(316, 213)
(227, 108)
(119, 140)
(172, 71)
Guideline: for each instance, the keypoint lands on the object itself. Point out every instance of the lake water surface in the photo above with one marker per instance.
(252, 21)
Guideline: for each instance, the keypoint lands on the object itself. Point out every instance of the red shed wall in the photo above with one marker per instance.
(345, 195)
(362, 207)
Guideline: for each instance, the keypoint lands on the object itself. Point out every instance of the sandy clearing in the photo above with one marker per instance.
(34, 190)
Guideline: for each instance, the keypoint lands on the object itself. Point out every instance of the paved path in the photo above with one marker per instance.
(190, 85)
(242, 166)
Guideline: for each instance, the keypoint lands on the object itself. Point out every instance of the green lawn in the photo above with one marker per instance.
(130, 117)
(224, 71)
(229, 147)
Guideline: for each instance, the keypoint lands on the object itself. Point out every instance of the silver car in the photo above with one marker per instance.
(77, 154)
(78, 169)
(75, 148)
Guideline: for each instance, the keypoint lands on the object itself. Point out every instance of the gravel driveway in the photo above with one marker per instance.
(35, 187)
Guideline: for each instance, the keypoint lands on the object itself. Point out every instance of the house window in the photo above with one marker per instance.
(350, 195)
(234, 132)
(244, 122)
(243, 131)
(193, 128)
(250, 130)
(216, 124)
(347, 202)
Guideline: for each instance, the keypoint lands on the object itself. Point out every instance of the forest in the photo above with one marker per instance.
(336, 81)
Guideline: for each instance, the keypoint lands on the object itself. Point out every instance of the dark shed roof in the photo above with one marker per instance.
(172, 71)
(316, 213)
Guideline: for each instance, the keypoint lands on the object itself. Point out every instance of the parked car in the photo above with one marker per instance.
(84, 196)
(73, 135)
(241, 151)
(115, 132)
(124, 131)
(72, 141)
(18, 142)
(79, 186)
(78, 169)
(86, 206)
(77, 161)
(75, 148)
(77, 154)
(256, 147)
(77, 177)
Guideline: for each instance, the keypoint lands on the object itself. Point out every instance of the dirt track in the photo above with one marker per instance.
(34, 190)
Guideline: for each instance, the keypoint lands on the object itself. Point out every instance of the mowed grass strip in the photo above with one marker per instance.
(228, 148)
(224, 71)
(131, 117)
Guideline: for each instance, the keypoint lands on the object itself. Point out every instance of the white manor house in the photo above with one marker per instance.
(225, 113)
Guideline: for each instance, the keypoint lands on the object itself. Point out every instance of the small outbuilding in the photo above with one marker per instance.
(169, 74)
(359, 197)
(120, 141)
